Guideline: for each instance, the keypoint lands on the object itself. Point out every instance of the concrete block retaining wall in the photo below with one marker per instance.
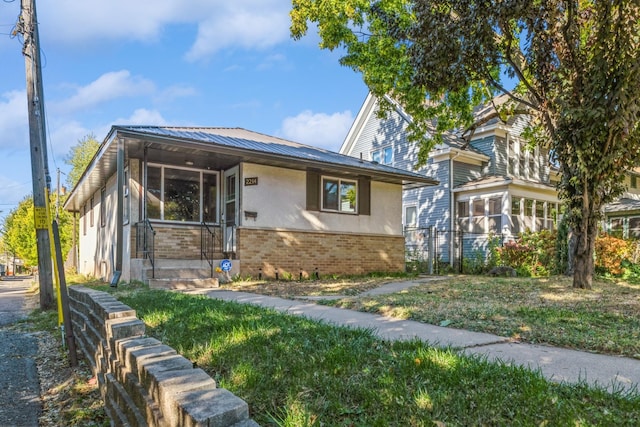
(144, 382)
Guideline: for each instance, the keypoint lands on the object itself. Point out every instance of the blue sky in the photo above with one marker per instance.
(168, 62)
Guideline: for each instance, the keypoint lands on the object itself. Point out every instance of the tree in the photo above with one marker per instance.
(575, 65)
(79, 157)
(20, 232)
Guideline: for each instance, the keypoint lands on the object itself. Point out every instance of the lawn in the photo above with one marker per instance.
(295, 372)
(605, 319)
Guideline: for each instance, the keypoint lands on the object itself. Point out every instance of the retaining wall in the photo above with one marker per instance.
(144, 382)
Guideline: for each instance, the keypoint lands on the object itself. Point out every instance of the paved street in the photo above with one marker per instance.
(20, 403)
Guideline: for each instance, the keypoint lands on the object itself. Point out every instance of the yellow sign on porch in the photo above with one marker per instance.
(40, 217)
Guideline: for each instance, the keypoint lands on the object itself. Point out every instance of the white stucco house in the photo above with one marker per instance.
(154, 199)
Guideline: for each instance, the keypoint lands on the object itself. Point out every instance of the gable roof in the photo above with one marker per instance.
(219, 148)
(370, 108)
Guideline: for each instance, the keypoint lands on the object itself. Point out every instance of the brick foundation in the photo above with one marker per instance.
(331, 253)
(173, 241)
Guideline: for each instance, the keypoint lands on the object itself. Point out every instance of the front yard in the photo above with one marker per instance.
(605, 319)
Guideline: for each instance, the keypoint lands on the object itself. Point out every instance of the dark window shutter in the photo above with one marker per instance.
(313, 191)
(364, 196)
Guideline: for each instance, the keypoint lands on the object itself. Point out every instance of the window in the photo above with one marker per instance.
(495, 215)
(516, 220)
(634, 227)
(210, 197)
(339, 195)
(539, 215)
(532, 165)
(634, 181)
(616, 227)
(181, 195)
(478, 216)
(515, 206)
(410, 216)
(552, 215)
(528, 215)
(175, 194)
(383, 156)
(91, 213)
(463, 215)
(511, 156)
(103, 207)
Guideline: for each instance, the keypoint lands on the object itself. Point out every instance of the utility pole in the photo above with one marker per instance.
(37, 135)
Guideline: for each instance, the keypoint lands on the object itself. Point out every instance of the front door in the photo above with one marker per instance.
(230, 209)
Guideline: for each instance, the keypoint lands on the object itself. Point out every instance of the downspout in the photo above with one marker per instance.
(119, 212)
(452, 209)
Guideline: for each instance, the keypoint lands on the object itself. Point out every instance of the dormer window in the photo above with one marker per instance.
(384, 156)
(523, 162)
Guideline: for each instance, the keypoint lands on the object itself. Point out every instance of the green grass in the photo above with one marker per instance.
(605, 319)
(296, 372)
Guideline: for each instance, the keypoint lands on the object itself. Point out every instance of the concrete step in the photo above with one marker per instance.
(179, 273)
(184, 283)
(186, 263)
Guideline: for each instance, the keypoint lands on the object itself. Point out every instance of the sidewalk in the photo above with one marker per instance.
(556, 364)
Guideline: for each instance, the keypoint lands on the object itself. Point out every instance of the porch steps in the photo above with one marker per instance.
(180, 274)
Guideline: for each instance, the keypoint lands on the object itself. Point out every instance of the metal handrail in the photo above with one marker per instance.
(145, 243)
(208, 243)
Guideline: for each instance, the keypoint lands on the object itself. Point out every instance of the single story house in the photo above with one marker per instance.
(158, 198)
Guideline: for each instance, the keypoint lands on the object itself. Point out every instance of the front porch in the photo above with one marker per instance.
(182, 256)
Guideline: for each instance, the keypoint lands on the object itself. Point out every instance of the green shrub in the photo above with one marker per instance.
(532, 254)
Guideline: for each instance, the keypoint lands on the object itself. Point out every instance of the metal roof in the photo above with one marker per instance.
(220, 148)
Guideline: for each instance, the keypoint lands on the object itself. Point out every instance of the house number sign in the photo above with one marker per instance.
(251, 181)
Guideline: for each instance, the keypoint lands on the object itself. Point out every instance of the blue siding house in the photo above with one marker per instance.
(492, 185)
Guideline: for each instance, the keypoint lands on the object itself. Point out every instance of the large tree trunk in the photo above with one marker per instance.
(583, 252)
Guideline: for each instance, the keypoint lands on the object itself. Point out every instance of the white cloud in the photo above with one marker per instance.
(109, 86)
(14, 122)
(256, 27)
(82, 23)
(318, 129)
(247, 24)
(65, 135)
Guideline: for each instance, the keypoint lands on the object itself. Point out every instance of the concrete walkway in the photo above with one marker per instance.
(556, 364)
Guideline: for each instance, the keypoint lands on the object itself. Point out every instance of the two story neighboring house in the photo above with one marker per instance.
(492, 185)
(623, 216)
